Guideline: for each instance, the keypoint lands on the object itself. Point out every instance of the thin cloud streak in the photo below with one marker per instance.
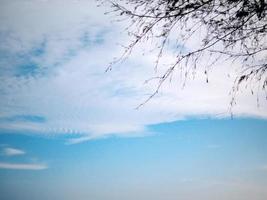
(22, 166)
(13, 152)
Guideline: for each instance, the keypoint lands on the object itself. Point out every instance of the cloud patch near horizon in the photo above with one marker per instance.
(53, 60)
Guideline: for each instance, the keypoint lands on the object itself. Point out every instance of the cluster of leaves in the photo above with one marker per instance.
(233, 29)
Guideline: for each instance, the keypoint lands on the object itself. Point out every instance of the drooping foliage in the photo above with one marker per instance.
(231, 29)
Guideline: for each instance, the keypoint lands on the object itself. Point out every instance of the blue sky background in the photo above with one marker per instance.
(68, 130)
(223, 159)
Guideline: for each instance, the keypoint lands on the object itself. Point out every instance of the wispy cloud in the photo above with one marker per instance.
(8, 151)
(22, 166)
(69, 91)
(23, 118)
(81, 139)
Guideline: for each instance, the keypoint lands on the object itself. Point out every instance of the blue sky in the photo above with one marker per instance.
(69, 130)
(185, 159)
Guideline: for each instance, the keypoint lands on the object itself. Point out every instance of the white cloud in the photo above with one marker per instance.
(8, 151)
(71, 90)
(22, 166)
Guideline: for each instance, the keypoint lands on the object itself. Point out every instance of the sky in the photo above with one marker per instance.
(70, 130)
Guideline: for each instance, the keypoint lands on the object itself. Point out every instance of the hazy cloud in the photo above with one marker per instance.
(264, 167)
(213, 146)
(8, 151)
(22, 166)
